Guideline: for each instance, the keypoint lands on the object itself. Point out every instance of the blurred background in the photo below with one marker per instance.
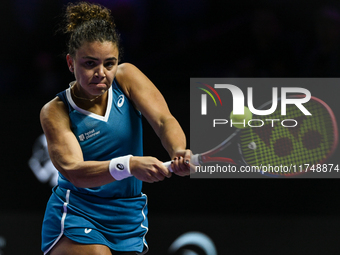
(172, 41)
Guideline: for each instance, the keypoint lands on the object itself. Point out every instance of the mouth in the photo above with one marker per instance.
(99, 84)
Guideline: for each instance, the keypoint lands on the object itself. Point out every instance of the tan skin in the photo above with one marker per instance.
(95, 65)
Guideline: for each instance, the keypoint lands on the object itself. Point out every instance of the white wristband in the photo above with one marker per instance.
(120, 167)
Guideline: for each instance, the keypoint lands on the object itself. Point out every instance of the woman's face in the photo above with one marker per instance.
(94, 65)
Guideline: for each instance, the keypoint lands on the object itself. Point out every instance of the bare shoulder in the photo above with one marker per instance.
(130, 77)
(125, 73)
(52, 113)
(55, 106)
(126, 68)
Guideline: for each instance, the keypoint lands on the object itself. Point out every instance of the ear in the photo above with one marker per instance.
(70, 64)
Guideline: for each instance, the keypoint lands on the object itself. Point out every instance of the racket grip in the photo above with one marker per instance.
(194, 161)
(168, 165)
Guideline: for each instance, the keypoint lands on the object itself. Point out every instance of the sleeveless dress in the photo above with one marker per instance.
(114, 214)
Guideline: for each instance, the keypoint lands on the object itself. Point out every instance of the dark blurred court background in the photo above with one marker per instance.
(171, 41)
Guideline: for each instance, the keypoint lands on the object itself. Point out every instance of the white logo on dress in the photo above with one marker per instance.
(120, 101)
(87, 230)
(88, 135)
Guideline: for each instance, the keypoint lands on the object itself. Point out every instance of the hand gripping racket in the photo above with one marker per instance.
(312, 141)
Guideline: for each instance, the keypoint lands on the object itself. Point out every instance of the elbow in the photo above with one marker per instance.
(78, 178)
(72, 179)
(71, 175)
(75, 180)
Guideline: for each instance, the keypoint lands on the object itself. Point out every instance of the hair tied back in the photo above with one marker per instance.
(79, 13)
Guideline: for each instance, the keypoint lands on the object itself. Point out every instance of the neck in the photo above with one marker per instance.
(72, 85)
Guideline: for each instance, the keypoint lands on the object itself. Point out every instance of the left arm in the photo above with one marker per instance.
(150, 102)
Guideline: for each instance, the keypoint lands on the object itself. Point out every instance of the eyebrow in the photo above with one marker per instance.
(92, 58)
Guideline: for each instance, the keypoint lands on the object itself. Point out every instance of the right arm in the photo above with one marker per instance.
(65, 151)
(67, 156)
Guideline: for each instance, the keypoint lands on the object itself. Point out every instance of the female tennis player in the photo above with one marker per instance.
(94, 134)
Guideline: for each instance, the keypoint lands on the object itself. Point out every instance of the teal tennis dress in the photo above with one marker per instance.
(114, 214)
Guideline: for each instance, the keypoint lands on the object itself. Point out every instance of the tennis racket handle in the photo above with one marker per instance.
(168, 165)
(194, 161)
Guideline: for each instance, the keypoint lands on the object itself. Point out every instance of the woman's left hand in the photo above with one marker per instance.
(181, 163)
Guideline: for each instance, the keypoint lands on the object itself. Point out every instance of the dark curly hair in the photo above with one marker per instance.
(86, 22)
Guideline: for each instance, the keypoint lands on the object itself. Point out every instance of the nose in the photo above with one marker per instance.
(100, 72)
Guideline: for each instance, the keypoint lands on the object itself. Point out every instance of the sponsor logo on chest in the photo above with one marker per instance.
(88, 135)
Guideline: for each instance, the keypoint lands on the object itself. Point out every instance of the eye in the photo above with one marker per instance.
(89, 63)
(110, 64)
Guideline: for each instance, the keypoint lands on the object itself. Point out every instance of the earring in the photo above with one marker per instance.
(71, 69)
